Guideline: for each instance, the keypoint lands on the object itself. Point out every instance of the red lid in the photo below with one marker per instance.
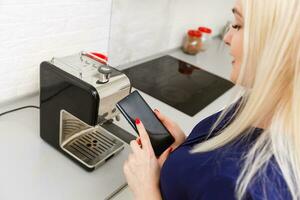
(205, 30)
(194, 33)
(100, 55)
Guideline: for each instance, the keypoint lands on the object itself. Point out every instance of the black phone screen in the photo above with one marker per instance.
(134, 106)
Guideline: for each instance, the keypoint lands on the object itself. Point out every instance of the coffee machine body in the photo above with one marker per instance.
(77, 96)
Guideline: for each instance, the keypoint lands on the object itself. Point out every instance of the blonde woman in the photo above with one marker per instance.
(251, 150)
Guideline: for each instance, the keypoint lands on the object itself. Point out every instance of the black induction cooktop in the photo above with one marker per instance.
(177, 83)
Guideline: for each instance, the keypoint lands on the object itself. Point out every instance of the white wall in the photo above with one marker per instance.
(153, 26)
(139, 28)
(35, 30)
(194, 13)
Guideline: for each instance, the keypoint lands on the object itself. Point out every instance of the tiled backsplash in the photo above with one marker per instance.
(36, 30)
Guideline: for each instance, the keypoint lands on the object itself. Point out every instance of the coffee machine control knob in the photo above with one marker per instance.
(104, 74)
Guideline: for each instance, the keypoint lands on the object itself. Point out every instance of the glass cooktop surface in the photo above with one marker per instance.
(177, 83)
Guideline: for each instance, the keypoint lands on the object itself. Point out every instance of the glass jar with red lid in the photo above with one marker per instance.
(206, 37)
(192, 42)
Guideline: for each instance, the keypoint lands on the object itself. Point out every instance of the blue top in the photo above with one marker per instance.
(213, 175)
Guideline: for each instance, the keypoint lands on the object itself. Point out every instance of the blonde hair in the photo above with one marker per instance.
(271, 68)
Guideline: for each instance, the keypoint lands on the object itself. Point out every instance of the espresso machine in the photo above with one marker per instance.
(78, 94)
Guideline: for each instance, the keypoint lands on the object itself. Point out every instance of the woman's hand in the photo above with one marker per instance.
(142, 169)
(173, 128)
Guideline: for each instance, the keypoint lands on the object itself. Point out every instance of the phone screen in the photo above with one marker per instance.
(134, 106)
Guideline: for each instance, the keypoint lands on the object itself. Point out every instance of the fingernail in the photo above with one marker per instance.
(139, 141)
(156, 110)
(170, 150)
(137, 121)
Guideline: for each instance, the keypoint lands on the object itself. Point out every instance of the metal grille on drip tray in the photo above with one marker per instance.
(72, 126)
(94, 146)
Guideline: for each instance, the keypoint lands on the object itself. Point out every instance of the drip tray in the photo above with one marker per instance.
(94, 146)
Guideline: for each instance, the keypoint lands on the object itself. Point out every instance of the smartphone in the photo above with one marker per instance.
(134, 106)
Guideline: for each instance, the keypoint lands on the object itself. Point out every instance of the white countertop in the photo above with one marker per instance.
(31, 169)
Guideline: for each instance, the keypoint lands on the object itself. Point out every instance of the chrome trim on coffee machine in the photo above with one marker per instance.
(113, 84)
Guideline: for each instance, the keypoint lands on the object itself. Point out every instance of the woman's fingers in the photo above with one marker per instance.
(163, 157)
(145, 140)
(169, 124)
(173, 129)
(126, 169)
(135, 147)
(165, 120)
(161, 116)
